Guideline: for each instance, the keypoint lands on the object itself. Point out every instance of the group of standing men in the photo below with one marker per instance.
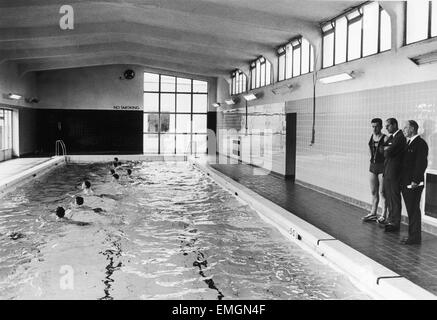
(398, 162)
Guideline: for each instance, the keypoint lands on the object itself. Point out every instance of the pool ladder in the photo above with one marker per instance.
(60, 145)
(192, 149)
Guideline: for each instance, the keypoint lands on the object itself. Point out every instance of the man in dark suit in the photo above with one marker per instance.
(393, 152)
(414, 164)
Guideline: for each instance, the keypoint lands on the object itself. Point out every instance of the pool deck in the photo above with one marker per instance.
(16, 172)
(10, 168)
(417, 263)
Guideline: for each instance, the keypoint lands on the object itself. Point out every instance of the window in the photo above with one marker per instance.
(260, 73)
(295, 58)
(238, 82)
(358, 33)
(421, 20)
(5, 129)
(328, 45)
(175, 113)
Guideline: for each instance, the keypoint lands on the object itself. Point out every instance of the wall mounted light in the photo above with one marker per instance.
(283, 89)
(230, 101)
(430, 57)
(32, 100)
(337, 78)
(14, 96)
(250, 97)
(216, 104)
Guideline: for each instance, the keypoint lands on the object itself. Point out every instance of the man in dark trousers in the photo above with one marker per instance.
(414, 164)
(393, 152)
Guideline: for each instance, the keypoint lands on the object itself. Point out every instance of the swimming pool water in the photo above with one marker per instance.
(172, 233)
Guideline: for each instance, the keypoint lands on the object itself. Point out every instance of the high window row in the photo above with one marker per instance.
(295, 58)
(238, 82)
(360, 32)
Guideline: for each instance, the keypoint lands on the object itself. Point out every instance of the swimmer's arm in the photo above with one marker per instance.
(69, 214)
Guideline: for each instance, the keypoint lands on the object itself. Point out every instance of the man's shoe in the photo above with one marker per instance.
(381, 220)
(370, 218)
(391, 228)
(410, 241)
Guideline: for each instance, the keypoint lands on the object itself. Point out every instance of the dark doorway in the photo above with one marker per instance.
(290, 153)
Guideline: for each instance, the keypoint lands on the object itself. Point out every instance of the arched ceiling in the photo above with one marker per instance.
(204, 37)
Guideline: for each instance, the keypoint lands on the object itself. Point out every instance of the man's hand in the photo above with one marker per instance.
(414, 185)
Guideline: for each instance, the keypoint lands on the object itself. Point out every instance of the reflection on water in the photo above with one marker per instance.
(173, 234)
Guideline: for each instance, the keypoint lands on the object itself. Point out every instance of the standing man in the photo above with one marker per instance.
(393, 152)
(414, 165)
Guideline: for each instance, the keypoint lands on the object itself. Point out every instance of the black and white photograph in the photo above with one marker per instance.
(218, 156)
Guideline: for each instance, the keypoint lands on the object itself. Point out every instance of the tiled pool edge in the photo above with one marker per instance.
(11, 183)
(130, 157)
(380, 281)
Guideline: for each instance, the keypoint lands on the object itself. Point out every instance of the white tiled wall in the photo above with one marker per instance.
(339, 159)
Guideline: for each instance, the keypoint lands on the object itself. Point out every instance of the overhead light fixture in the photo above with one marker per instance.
(430, 57)
(250, 97)
(14, 96)
(230, 102)
(216, 105)
(32, 100)
(283, 89)
(337, 78)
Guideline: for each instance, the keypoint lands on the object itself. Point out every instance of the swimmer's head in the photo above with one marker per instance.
(116, 176)
(119, 163)
(115, 164)
(87, 184)
(112, 171)
(79, 201)
(116, 159)
(60, 212)
(129, 172)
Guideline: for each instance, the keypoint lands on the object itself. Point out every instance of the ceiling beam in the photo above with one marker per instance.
(113, 59)
(125, 47)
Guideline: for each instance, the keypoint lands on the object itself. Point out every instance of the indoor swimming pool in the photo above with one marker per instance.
(166, 232)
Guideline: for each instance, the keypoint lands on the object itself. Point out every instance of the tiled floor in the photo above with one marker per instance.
(12, 167)
(343, 221)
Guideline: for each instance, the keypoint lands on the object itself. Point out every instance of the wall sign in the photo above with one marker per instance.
(126, 107)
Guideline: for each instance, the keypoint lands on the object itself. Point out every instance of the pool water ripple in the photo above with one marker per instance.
(172, 234)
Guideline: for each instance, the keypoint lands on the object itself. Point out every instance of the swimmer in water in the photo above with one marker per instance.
(61, 214)
(86, 187)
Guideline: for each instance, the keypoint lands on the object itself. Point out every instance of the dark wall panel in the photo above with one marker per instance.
(91, 131)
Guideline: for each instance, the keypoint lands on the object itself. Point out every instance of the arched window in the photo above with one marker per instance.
(360, 32)
(260, 73)
(238, 82)
(295, 58)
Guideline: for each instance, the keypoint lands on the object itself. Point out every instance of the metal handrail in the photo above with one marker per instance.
(60, 143)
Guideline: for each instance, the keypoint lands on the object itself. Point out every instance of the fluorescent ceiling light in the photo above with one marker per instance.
(230, 101)
(430, 57)
(336, 78)
(216, 105)
(14, 96)
(250, 97)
